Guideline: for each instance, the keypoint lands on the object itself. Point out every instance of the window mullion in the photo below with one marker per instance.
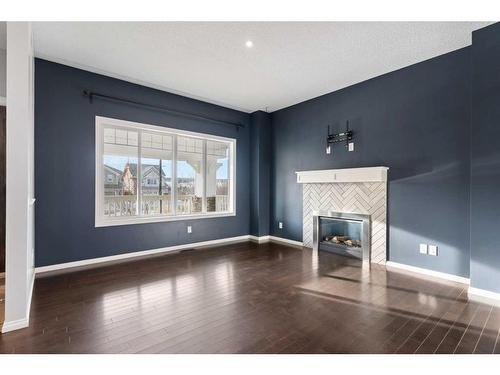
(204, 176)
(231, 184)
(101, 172)
(173, 195)
(139, 174)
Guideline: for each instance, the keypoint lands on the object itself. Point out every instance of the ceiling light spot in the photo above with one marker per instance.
(249, 44)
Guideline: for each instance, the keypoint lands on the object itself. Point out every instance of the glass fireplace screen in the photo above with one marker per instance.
(341, 235)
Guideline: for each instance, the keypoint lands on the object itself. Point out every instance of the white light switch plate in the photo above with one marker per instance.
(351, 146)
(280, 225)
(433, 250)
(423, 248)
(189, 229)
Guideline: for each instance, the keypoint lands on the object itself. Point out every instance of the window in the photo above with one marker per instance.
(147, 173)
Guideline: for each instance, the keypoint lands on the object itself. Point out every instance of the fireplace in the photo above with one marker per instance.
(347, 234)
(335, 192)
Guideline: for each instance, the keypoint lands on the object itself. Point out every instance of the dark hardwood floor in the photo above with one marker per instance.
(249, 298)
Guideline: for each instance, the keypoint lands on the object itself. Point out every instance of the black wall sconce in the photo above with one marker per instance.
(339, 137)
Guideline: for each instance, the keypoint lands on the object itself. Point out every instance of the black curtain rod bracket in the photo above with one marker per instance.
(91, 95)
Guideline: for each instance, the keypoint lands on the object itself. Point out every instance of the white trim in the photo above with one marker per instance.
(427, 272)
(144, 253)
(156, 219)
(86, 262)
(102, 221)
(262, 239)
(368, 174)
(99, 149)
(285, 241)
(14, 325)
(484, 296)
(162, 129)
(3, 101)
(24, 322)
(19, 178)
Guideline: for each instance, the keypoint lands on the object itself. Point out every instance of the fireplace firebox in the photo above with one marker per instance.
(347, 234)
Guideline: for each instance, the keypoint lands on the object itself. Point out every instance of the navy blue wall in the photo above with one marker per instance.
(443, 185)
(485, 159)
(260, 173)
(414, 121)
(65, 157)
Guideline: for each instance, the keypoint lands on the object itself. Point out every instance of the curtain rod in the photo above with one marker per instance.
(91, 95)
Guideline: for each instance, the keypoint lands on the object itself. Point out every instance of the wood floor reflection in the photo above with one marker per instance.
(249, 298)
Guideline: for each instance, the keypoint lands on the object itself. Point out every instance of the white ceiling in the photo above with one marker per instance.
(289, 63)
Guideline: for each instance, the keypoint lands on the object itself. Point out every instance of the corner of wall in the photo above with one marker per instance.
(19, 268)
(260, 172)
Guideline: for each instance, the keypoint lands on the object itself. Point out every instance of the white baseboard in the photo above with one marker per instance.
(136, 254)
(261, 239)
(285, 241)
(14, 325)
(424, 271)
(484, 296)
(24, 322)
(264, 239)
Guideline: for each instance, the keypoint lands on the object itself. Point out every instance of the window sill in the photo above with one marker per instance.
(109, 222)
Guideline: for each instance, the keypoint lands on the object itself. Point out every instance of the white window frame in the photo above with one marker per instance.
(103, 221)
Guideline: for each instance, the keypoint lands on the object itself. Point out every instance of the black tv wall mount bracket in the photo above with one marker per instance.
(338, 137)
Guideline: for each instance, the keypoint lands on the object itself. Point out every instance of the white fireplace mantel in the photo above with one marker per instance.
(368, 174)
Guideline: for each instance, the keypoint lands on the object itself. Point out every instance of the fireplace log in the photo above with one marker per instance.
(353, 243)
(340, 239)
(343, 240)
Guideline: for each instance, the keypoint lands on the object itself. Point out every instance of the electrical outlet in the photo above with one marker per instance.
(280, 225)
(433, 250)
(423, 248)
(351, 146)
(189, 229)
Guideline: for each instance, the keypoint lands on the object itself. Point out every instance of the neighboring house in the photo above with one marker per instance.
(118, 182)
(151, 180)
(112, 181)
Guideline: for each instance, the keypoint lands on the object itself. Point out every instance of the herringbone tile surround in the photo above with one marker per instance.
(359, 197)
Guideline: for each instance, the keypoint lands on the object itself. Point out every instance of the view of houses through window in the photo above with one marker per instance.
(198, 184)
(120, 172)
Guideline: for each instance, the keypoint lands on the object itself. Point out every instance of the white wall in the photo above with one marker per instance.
(3, 72)
(19, 270)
